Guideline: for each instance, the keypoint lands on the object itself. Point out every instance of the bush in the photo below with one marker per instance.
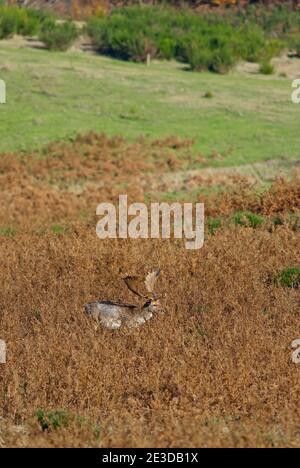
(266, 68)
(294, 43)
(16, 20)
(273, 48)
(248, 219)
(122, 38)
(59, 37)
(57, 229)
(8, 24)
(290, 277)
(52, 419)
(278, 221)
(7, 231)
(210, 42)
(132, 33)
(249, 43)
(213, 225)
(215, 54)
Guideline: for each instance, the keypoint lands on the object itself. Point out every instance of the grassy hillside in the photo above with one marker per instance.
(242, 116)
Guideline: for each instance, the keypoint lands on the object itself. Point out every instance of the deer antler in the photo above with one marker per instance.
(150, 279)
(133, 283)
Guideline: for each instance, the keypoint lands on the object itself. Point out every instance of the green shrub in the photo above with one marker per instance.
(9, 21)
(57, 229)
(248, 219)
(209, 42)
(249, 43)
(290, 277)
(215, 55)
(122, 38)
(213, 225)
(278, 221)
(59, 37)
(273, 48)
(52, 420)
(132, 33)
(294, 43)
(16, 20)
(167, 47)
(7, 231)
(266, 68)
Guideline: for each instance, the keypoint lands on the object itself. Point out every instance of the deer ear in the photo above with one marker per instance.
(151, 279)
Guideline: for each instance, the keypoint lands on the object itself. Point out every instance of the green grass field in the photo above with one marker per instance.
(50, 96)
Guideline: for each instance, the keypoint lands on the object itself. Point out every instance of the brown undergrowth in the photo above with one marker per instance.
(68, 180)
(214, 370)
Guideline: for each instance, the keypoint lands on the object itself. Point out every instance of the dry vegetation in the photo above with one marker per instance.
(66, 181)
(215, 370)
